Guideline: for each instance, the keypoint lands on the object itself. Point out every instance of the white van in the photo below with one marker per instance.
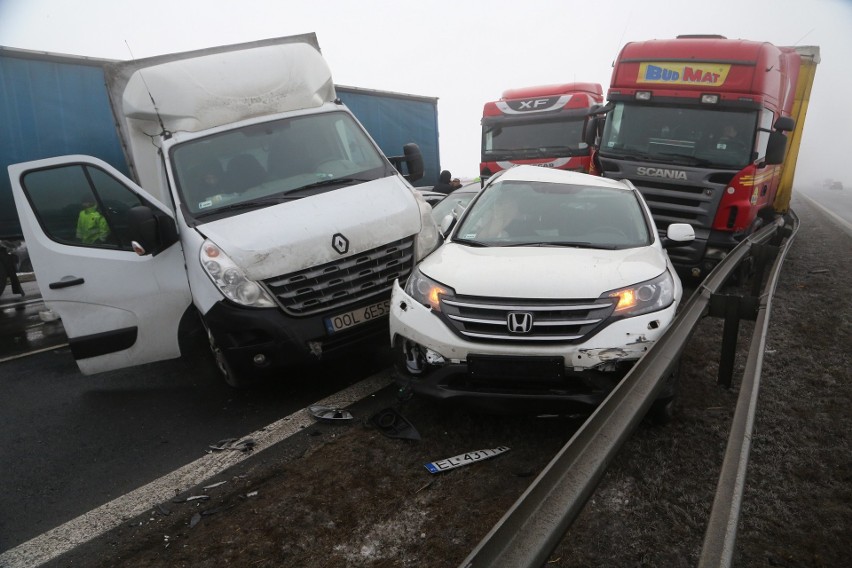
(259, 203)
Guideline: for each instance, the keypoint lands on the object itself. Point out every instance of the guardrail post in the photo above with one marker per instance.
(732, 309)
(764, 255)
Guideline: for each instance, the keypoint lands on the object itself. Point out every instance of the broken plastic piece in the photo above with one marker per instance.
(195, 519)
(393, 425)
(329, 414)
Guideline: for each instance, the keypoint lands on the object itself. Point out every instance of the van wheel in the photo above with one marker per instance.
(233, 379)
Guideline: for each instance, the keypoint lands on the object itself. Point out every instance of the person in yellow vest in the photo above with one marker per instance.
(91, 225)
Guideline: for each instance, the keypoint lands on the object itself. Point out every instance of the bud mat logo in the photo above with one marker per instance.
(661, 173)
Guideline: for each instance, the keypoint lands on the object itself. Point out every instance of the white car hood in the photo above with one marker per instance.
(540, 272)
(298, 234)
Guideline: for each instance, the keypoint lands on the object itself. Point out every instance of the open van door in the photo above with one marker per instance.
(119, 307)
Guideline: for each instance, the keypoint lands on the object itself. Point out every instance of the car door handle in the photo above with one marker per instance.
(66, 282)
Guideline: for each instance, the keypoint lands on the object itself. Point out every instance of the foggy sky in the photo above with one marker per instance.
(464, 53)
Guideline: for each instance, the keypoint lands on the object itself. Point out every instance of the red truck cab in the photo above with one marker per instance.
(542, 126)
(696, 123)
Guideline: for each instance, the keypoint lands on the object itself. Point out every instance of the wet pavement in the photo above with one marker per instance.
(23, 328)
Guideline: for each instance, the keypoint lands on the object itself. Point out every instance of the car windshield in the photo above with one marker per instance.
(264, 164)
(680, 135)
(456, 201)
(526, 213)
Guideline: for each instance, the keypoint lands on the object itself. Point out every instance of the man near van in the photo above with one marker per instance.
(91, 226)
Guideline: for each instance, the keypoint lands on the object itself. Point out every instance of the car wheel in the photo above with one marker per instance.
(662, 411)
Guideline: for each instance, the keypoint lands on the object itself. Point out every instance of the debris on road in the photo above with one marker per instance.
(238, 444)
(214, 485)
(394, 425)
(329, 414)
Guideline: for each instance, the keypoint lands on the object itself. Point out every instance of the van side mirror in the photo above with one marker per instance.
(413, 160)
(150, 232)
(678, 235)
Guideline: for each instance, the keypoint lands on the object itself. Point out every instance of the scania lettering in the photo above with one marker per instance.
(541, 126)
(708, 129)
(255, 200)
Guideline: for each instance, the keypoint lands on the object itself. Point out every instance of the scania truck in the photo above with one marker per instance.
(542, 126)
(254, 202)
(708, 129)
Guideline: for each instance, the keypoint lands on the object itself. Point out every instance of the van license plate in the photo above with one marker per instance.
(355, 317)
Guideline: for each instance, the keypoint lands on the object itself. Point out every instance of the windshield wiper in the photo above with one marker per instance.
(570, 244)
(327, 182)
(252, 204)
(471, 242)
(690, 159)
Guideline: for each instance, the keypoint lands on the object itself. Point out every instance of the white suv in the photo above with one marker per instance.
(548, 288)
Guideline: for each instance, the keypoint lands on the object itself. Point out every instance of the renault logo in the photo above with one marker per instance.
(340, 243)
(520, 322)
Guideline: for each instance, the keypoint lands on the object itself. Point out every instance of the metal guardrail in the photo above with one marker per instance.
(536, 523)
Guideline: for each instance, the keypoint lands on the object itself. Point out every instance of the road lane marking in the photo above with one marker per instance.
(96, 522)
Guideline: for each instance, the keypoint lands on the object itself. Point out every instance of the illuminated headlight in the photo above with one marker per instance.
(709, 99)
(645, 297)
(426, 291)
(643, 95)
(230, 278)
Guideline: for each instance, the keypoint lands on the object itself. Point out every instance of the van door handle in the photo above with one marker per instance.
(66, 282)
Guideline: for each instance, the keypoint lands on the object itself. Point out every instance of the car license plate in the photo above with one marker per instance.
(464, 459)
(346, 320)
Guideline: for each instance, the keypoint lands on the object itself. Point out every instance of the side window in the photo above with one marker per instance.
(763, 130)
(81, 205)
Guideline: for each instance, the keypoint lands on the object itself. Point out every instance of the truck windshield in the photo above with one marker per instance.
(507, 140)
(680, 135)
(264, 164)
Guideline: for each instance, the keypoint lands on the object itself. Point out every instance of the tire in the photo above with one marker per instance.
(2, 277)
(662, 410)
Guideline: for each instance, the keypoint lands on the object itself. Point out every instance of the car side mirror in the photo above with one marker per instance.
(678, 235)
(447, 224)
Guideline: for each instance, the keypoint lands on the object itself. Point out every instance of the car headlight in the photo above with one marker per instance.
(649, 296)
(426, 291)
(230, 278)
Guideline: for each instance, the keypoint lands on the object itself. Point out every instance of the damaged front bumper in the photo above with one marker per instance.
(431, 360)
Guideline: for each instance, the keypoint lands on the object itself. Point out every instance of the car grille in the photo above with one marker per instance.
(345, 281)
(491, 320)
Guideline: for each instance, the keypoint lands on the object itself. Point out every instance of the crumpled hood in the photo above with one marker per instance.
(298, 234)
(540, 272)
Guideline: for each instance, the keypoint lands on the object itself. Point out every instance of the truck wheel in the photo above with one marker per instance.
(233, 379)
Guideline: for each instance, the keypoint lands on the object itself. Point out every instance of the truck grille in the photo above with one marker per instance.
(345, 281)
(492, 319)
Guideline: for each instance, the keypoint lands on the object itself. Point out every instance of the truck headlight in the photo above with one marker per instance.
(230, 278)
(426, 291)
(649, 296)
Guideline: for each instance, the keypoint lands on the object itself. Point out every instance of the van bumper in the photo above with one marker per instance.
(258, 341)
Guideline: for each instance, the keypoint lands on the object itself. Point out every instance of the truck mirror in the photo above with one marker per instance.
(776, 148)
(590, 130)
(785, 123)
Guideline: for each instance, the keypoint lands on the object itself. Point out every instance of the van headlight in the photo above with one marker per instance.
(230, 278)
(426, 291)
(649, 296)
(427, 239)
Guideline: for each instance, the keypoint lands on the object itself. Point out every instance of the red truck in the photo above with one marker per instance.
(708, 129)
(542, 126)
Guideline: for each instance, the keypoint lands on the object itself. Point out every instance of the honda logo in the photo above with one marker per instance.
(340, 243)
(520, 322)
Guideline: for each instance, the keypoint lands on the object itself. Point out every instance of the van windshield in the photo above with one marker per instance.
(264, 164)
